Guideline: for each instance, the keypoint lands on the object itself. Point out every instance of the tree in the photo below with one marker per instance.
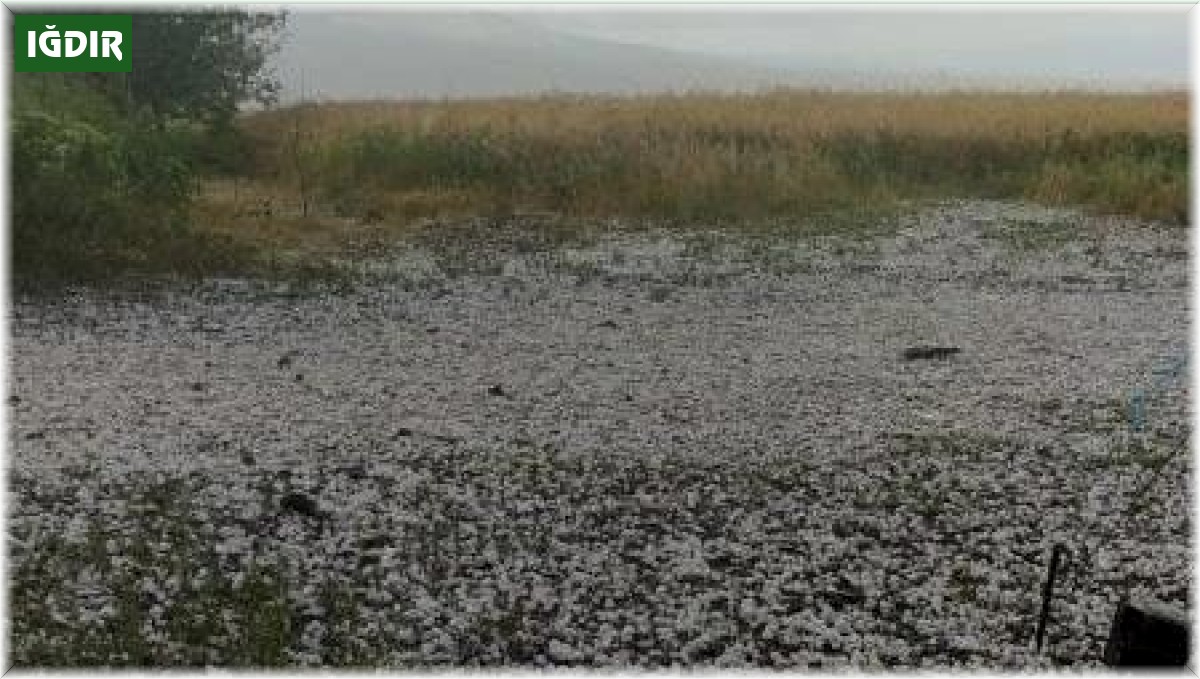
(197, 65)
(104, 163)
(201, 65)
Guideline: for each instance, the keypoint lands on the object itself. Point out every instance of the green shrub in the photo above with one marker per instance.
(92, 192)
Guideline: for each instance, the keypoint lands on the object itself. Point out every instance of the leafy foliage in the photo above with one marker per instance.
(201, 65)
(104, 165)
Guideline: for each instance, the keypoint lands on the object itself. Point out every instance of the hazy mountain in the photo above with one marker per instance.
(472, 53)
(435, 54)
(1112, 48)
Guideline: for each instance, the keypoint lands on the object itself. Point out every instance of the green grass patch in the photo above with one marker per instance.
(117, 618)
(1027, 235)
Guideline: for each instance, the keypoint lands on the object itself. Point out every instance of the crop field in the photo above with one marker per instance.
(672, 439)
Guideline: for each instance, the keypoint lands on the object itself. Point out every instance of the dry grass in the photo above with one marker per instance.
(793, 115)
(268, 218)
(705, 158)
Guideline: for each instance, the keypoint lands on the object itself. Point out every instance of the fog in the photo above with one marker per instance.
(364, 52)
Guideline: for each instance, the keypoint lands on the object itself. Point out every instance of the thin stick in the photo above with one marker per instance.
(1048, 593)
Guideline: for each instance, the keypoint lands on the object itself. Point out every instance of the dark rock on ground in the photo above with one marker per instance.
(926, 353)
(375, 542)
(1148, 633)
(300, 503)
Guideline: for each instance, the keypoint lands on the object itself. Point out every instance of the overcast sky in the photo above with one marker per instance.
(1149, 42)
(487, 50)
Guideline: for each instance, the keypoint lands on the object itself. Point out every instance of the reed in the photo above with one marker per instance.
(731, 158)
